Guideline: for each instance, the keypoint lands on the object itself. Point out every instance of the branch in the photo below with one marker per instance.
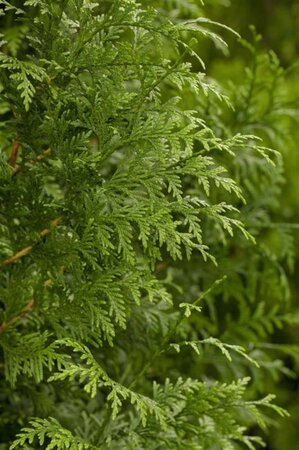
(28, 308)
(39, 158)
(14, 153)
(28, 249)
(7, 323)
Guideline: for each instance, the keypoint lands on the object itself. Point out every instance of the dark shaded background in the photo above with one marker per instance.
(276, 20)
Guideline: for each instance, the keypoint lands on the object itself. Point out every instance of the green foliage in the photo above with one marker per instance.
(142, 268)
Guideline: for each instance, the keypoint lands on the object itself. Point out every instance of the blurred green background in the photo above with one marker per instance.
(277, 21)
(277, 24)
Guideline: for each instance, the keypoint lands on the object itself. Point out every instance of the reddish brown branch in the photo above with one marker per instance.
(7, 323)
(27, 310)
(28, 249)
(14, 153)
(39, 158)
(16, 256)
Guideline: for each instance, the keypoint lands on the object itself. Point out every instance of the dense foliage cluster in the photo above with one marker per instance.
(144, 263)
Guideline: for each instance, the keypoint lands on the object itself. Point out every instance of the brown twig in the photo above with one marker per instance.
(7, 323)
(28, 308)
(14, 153)
(39, 158)
(28, 249)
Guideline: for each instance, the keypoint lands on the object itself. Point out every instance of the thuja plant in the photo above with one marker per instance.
(116, 194)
